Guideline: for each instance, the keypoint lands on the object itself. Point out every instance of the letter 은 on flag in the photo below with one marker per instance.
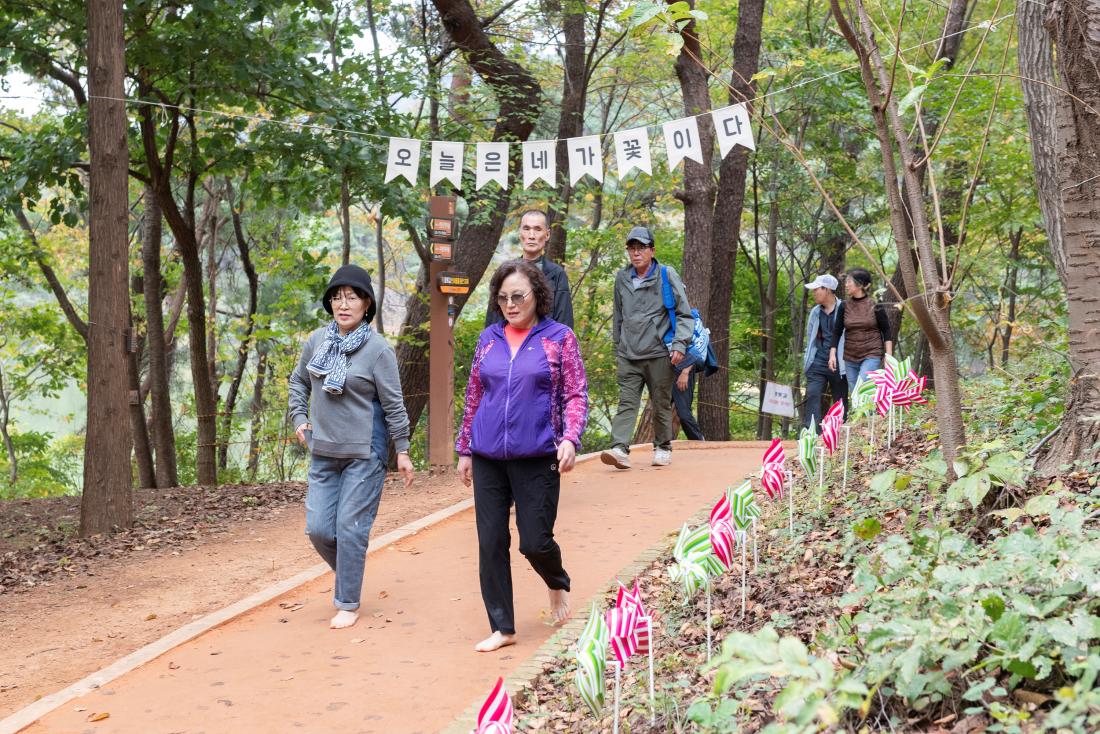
(491, 164)
(403, 159)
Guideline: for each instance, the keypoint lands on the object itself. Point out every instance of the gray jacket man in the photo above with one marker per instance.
(639, 324)
(819, 340)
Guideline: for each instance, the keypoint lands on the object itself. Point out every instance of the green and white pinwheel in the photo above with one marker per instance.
(592, 661)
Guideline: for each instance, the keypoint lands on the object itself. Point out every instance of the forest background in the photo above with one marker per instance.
(897, 140)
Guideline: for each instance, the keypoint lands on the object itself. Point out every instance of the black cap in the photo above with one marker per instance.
(357, 278)
(640, 234)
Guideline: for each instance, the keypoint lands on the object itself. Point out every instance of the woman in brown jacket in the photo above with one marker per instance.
(865, 327)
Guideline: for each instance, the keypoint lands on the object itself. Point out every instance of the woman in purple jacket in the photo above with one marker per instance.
(526, 408)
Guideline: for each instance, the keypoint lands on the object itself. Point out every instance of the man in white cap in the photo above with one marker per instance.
(819, 340)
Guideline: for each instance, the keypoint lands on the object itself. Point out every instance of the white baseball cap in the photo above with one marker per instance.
(823, 281)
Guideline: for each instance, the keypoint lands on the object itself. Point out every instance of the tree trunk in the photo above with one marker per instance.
(9, 447)
(211, 233)
(570, 121)
(519, 98)
(1010, 287)
(1075, 30)
(164, 438)
(714, 393)
(345, 218)
(143, 451)
(257, 411)
(380, 292)
(106, 501)
(770, 305)
(250, 325)
(183, 231)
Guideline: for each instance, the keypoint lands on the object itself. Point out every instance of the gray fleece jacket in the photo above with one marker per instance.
(370, 410)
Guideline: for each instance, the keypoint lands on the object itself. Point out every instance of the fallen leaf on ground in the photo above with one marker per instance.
(99, 717)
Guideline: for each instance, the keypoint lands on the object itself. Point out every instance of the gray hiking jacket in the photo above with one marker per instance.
(640, 319)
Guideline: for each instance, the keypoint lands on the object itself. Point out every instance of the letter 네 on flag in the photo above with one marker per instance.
(632, 151)
(539, 161)
(403, 159)
(446, 163)
(492, 164)
(733, 127)
(585, 156)
(682, 141)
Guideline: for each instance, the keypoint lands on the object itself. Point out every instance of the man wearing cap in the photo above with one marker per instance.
(819, 340)
(533, 236)
(639, 324)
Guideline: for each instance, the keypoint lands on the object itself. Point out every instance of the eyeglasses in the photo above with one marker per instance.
(637, 247)
(516, 299)
(346, 299)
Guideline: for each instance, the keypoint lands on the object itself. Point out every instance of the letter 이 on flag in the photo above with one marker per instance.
(492, 164)
(733, 126)
(585, 156)
(632, 151)
(446, 163)
(682, 141)
(403, 159)
(539, 162)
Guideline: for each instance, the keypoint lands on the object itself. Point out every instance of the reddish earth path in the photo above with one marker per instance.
(408, 666)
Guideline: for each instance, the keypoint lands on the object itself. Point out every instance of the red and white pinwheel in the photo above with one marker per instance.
(495, 716)
(830, 426)
(633, 600)
(723, 537)
(622, 626)
(772, 475)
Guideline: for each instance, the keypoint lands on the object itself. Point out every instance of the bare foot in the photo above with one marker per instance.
(495, 641)
(344, 618)
(559, 605)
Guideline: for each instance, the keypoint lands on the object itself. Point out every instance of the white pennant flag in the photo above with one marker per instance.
(403, 159)
(446, 163)
(682, 141)
(632, 151)
(539, 161)
(733, 126)
(492, 164)
(585, 156)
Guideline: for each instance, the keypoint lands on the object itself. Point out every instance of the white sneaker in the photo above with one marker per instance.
(616, 457)
(662, 457)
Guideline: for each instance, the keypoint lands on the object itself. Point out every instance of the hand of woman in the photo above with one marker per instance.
(405, 466)
(682, 381)
(832, 360)
(567, 456)
(466, 470)
(300, 432)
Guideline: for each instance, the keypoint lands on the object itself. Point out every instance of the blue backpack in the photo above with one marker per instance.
(699, 349)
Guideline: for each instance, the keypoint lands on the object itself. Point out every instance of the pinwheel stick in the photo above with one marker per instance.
(708, 624)
(872, 441)
(847, 436)
(618, 688)
(790, 502)
(755, 550)
(744, 582)
(820, 474)
(652, 698)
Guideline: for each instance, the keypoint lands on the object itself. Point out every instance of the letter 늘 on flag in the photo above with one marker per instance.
(446, 163)
(632, 151)
(733, 127)
(492, 164)
(403, 159)
(682, 141)
(539, 161)
(585, 156)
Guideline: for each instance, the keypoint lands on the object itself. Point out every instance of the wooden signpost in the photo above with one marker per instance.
(445, 285)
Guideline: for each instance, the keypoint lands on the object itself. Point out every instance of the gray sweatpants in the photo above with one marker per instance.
(656, 375)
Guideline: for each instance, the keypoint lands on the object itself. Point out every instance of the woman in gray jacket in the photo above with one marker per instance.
(345, 405)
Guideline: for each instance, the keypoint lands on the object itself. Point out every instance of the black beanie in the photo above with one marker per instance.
(358, 279)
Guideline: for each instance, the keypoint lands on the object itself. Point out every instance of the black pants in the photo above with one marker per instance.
(683, 399)
(816, 379)
(534, 485)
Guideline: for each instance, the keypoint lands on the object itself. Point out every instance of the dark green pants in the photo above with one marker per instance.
(656, 375)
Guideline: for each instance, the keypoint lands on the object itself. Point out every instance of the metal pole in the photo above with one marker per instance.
(847, 436)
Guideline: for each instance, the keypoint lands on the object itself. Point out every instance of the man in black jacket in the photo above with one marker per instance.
(534, 232)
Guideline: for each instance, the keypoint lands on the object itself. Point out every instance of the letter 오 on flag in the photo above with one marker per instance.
(632, 151)
(682, 141)
(733, 127)
(585, 157)
(539, 162)
(446, 163)
(403, 159)
(492, 164)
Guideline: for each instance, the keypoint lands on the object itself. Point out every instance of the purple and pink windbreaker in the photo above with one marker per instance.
(524, 406)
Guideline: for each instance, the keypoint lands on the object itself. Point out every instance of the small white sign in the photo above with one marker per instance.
(778, 400)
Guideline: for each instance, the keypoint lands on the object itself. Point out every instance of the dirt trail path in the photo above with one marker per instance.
(408, 666)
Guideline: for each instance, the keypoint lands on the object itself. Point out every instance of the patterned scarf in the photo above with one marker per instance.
(331, 361)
